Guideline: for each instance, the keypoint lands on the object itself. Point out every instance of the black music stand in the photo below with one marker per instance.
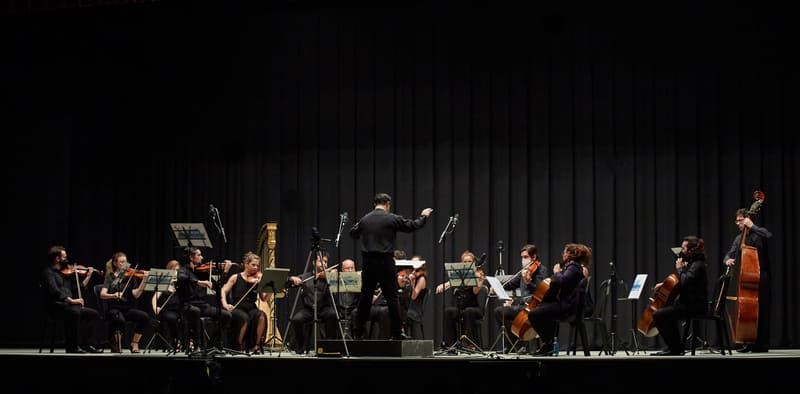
(190, 234)
(461, 275)
(273, 280)
(346, 282)
(158, 279)
(633, 297)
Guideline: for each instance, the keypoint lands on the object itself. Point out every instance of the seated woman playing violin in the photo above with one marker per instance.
(122, 285)
(246, 317)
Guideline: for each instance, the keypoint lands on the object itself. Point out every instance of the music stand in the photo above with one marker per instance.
(462, 275)
(158, 279)
(633, 296)
(344, 282)
(273, 280)
(496, 286)
(190, 234)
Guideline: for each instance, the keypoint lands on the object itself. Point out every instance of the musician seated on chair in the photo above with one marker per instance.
(78, 320)
(530, 275)
(379, 312)
(239, 298)
(120, 291)
(692, 298)
(347, 302)
(192, 295)
(416, 308)
(305, 309)
(466, 306)
(563, 297)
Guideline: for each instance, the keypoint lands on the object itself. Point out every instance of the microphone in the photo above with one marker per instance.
(344, 217)
(500, 246)
(455, 219)
(211, 210)
(481, 260)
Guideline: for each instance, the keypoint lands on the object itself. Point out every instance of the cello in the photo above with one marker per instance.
(665, 295)
(746, 327)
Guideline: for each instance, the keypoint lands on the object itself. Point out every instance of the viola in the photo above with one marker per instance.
(81, 270)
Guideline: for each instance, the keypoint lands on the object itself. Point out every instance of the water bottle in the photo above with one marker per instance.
(555, 346)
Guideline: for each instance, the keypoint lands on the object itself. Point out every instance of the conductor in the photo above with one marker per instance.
(378, 231)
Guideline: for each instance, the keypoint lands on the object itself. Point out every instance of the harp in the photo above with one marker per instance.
(265, 248)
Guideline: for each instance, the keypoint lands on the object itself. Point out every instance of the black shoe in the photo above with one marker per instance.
(400, 337)
(76, 351)
(91, 349)
(544, 350)
(668, 353)
(745, 349)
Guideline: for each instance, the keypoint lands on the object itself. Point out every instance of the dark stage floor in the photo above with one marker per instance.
(158, 372)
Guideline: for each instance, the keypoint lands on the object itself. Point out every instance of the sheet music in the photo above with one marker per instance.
(638, 285)
(495, 285)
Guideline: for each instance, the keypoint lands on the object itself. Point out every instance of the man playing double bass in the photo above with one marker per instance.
(756, 237)
(692, 299)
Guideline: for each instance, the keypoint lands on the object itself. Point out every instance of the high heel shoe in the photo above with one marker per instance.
(134, 346)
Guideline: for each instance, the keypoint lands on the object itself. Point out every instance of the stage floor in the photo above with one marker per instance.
(158, 372)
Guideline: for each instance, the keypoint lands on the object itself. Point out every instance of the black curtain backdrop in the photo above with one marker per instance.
(623, 130)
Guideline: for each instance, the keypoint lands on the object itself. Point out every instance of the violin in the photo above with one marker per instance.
(138, 274)
(253, 279)
(205, 267)
(81, 270)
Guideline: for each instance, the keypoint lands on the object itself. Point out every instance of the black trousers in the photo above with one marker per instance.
(544, 318)
(306, 315)
(78, 324)
(117, 317)
(378, 268)
(192, 314)
(472, 324)
(667, 320)
(170, 319)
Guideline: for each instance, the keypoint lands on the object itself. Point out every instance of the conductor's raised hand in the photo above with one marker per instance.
(426, 212)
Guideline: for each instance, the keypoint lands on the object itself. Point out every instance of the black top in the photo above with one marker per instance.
(54, 287)
(240, 287)
(323, 293)
(378, 230)
(756, 237)
(693, 281)
(112, 286)
(188, 290)
(526, 291)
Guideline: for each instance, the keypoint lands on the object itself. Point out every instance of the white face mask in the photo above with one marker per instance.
(526, 262)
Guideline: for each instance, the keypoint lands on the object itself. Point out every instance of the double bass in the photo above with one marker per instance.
(746, 327)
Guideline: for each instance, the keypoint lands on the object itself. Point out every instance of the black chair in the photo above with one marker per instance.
(595, 315)
(51, 323)
(576, 321)
(716, 314)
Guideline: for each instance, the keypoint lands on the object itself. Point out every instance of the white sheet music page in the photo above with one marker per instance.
(498, 288)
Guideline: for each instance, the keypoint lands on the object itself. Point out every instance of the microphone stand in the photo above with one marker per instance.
(448, 229)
